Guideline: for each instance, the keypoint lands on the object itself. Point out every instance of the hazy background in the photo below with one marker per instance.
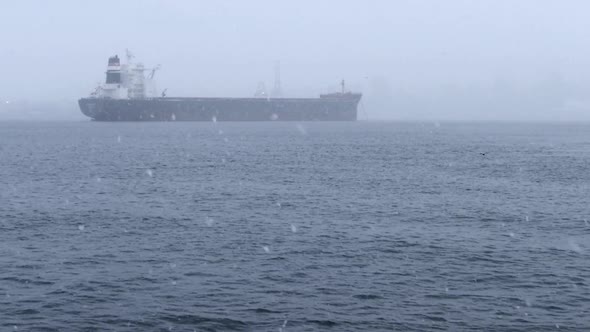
(413, 60)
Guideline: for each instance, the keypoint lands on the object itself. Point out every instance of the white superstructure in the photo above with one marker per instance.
(127, 81)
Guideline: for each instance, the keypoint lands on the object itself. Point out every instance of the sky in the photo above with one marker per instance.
(412, 59)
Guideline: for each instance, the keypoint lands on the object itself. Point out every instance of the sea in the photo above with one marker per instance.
(278, 226)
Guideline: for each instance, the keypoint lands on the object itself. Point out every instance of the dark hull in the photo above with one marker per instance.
(343, 108)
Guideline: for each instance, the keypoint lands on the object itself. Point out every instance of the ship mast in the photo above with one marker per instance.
(277, 90)
(129, 55)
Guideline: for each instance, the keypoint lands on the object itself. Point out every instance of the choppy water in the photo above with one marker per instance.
(299, 227)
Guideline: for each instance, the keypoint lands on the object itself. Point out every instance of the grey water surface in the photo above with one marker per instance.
(366, 226)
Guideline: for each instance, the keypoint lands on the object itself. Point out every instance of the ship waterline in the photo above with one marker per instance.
(340, 107)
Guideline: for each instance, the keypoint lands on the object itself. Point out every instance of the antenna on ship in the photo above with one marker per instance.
(343, 84)
(277, 91)
(153, 72)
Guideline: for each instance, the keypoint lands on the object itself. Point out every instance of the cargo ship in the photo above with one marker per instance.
(129, 94)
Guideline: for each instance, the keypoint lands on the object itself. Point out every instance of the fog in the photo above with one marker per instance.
(526, 60)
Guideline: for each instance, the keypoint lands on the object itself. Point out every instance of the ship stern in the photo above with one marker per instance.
(90, 107)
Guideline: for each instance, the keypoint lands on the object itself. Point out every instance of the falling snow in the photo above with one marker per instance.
(301, 129)
(282, 328)
(573, 245)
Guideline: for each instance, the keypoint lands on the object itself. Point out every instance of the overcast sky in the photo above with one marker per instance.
(433, 60)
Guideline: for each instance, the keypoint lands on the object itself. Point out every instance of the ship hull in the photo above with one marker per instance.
(221, 109)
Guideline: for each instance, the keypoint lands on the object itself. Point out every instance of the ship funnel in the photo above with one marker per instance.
(114, 61)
